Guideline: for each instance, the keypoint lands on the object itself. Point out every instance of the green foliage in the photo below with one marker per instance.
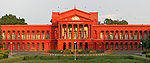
(12, 20)
(148, 55)
(93, 59)
(146, 43)
(145, 51)
(110, 21)
(4, 53)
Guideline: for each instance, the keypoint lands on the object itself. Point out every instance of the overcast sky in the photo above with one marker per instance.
(40, 11)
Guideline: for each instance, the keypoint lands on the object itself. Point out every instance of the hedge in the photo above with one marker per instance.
(47, 57)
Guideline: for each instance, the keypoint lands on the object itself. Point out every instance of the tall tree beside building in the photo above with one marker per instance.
(117, 22)
(12, 20)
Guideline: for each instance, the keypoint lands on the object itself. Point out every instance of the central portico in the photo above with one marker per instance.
(74, 25)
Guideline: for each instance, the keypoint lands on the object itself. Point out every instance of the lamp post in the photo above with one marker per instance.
(141, 48)
(75, 50)
(11, 48)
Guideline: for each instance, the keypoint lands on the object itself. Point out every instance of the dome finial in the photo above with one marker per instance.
(74, 6)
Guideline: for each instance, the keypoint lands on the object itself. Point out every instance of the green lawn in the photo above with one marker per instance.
(84, 61)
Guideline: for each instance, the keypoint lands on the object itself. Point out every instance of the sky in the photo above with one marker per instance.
(39, 12)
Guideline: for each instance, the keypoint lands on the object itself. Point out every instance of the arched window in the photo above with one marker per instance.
(18, 46)
(126, 46)
(4, 35)
(140, 35)
(80, 31)
(33, 35)
(135, 35)
(106, 35)
(18, 35)
(69, 31)
(131, 35)
(75, 31)
(69, 45)
(145, 34)
(112, 45)
(80, 46)
(111, 35)
(121, 46)
(28, 35)
(47, 35)
(13, 35)
(121, 35)
(42, 46)
(38, 35)
(42, 36)
(28, 47)
(126, 34)
(23, 46)
(86, 31)
(8, 35)
(106, 46)
(86, 46)
(130, 46)
(102, 35)
(116, 35)
(23, 35)
(116, 46)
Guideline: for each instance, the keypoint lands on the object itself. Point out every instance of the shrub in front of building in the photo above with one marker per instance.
(148, 55)
(145, 51)
(4, 54)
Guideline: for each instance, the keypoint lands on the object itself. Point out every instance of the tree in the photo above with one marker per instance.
(110, 21)
(146, 42)
(12, 20)
(1, 45)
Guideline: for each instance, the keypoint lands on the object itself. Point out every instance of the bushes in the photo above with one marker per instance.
(145, 51)
(80, 51)
(4, 54)
(148, 55)
(47, 57)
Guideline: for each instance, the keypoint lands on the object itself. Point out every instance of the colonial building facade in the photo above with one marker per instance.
(73, 25)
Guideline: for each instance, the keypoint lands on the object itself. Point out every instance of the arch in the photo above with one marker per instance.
(69, 45)
(116, 35)
(33, 35)
(135, 47)
(131, 35)
(13, 46)
(69, 31)
(80, 46)
(8, 35)
(64, 46)
(126, 46)
(47, 35)
(121, 46)
(23, 46)
(23, 35)
(126, 34)
(13, 34)
(80, 31)
(145, 35)
(106, 35)
(3, 35)
(135, 35)
(38, 35)
(86, 46)
(121, 34)
(28, 46)
(75, 31)
(28, 34)
(18, 46)
(37, 46)
(102, 35)
(106, 46)
(111, 35)
(43, 46)
(111, 45)
(116, 46)
(131, 46)
(18, 34)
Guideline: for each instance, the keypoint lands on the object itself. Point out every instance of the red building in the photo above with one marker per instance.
(70, 26)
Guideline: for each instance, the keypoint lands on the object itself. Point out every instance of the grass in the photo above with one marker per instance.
(98, 60)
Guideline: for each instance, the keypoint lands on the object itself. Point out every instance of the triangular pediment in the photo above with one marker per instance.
(75, 17)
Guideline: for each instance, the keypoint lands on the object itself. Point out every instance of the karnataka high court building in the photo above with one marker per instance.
(70, 26)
